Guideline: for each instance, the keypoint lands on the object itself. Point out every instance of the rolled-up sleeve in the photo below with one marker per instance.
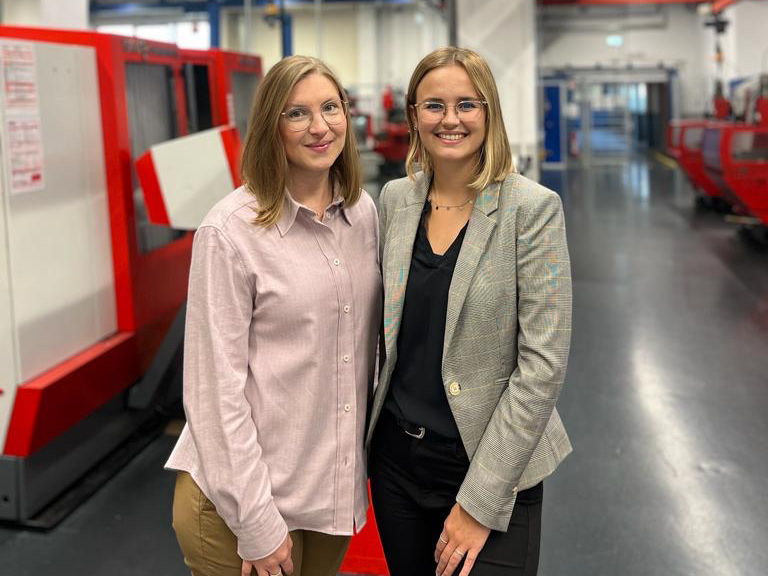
(216, 352)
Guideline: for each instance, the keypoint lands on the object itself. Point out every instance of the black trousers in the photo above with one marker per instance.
(414, 483)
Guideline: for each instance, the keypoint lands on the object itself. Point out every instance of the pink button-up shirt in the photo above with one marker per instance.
(280, 345)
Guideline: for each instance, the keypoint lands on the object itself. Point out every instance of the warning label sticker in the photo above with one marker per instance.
(20, 77)
(25, 154)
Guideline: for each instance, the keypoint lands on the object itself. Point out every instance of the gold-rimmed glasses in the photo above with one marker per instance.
(299, 118)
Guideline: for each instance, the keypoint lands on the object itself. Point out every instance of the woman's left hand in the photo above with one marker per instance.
(462, 537)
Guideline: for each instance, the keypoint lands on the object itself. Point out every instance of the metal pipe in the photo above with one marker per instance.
(286, 25)
(318, 29)
(453, 32)
(245, 45)
(213, 22)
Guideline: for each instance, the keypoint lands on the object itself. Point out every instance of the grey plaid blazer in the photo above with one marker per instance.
(507, 334)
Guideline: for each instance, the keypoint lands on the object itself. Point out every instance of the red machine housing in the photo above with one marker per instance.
(736, 157)
(761, 111)
(684, 139)
(722, 107)
(52, 402)
(217, 73)
(150, 286)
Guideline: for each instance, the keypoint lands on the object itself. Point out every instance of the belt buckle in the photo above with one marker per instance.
(418, 436)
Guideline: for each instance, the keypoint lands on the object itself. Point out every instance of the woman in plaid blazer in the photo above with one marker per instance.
(477, 321)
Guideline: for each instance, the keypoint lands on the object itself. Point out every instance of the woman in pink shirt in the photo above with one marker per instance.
(282, 321)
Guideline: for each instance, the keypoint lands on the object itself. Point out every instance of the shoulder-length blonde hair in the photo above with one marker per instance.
(264, 166)
(494, 159)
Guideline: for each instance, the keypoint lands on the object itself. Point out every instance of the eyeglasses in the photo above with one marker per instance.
(300, 118)
(465, 109)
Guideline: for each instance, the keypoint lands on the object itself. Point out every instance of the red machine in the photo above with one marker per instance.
(393, 139)
(361, 122)
(720, 104)
(736, 157)
(722, 107)
(392, 144)
(761, 103)
(55, 421)
(220, 87)
(761, 110)
(684, 139)
(717, 177)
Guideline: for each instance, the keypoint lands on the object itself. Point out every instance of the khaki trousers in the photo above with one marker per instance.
(210, 548)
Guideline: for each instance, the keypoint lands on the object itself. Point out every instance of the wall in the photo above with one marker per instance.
(405, 35)
(369, 46)
(672, 37)
(751, 36)
(47, 13)
(339, 37)
(744, 44)
(365, 44)
(504, 33)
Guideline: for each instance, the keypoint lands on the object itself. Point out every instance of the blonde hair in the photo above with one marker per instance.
(494, 159)
(264, 166)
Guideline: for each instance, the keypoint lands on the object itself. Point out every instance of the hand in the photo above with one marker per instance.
(462, 537)
(279, 562)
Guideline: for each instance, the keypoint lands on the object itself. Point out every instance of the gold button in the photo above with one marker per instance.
(454, 389)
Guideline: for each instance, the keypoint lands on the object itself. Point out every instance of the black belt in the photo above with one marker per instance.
(412, 429)
(415, 430)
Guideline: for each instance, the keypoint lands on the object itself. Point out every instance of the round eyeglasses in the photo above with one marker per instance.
(300, 118)
(465, 109)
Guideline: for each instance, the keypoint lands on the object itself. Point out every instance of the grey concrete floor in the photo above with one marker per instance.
(667, 386)
(665, 402)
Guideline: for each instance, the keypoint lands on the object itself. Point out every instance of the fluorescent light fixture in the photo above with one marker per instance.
(614, 40)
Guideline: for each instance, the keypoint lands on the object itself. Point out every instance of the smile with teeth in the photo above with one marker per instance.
(452, 137)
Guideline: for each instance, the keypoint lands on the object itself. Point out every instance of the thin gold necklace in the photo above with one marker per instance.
(436, 206)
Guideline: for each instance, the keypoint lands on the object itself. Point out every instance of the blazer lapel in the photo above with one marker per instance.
(479, 230)
(397, 258)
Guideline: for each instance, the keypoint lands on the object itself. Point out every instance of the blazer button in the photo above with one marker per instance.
(454, 389)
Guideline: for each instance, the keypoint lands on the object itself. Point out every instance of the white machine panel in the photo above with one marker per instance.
(183, 178)
(57, 287)
(190, 189)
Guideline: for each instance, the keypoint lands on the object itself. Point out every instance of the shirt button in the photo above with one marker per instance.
(336, 261)
(454, 389)
(346, 309)
(347, 407)
(345, 358)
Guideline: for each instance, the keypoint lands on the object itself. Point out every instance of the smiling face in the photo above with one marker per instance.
(315, 148)
(450, 139)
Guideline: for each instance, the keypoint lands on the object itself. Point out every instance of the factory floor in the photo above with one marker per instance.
(665, 401)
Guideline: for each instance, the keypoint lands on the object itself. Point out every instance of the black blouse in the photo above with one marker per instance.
(416, 393)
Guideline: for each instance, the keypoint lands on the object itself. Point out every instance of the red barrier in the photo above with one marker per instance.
(365, 555)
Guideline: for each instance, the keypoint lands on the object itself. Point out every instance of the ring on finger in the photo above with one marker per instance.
(443, 540)
(459, 552)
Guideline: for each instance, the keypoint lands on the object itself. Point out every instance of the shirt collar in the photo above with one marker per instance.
(287, 214)
(338, 201)
(291, 209)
